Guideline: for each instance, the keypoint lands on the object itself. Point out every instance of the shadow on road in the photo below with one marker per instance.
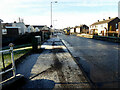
(41, 84)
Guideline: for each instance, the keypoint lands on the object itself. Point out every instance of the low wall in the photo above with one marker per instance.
(104, 38)
(112, 39)
(85, 35)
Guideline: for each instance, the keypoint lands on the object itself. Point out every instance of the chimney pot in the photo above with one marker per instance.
(14, 21)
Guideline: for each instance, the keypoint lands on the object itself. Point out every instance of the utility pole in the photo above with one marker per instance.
(51, 15)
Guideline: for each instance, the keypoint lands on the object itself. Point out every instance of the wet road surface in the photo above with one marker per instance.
(99, 59)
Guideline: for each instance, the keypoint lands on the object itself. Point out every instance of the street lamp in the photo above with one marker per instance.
(54, 23)
(1, 27)
(1, 35)
(54, 26)
(51, 12)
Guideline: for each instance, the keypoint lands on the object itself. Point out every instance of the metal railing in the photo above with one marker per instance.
(12, 59)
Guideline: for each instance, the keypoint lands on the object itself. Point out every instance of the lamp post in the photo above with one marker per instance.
(54, 23)
(54, 26)
(1, 33)
(51, 15)
(1, 27)
(51, 12)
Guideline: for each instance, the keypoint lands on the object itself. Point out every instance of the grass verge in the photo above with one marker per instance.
(17, 55)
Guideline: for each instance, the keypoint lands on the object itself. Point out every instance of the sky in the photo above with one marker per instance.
(66, 13)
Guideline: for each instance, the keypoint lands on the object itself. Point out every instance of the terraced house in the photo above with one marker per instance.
(107, 27)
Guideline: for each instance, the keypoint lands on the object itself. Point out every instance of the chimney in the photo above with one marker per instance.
(19, 19)
(98, 20)
(109, 17)
(14, 21)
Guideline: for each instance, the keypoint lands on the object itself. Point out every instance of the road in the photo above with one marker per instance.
(99, 59)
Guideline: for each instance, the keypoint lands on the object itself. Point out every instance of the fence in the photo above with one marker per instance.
(12, 59)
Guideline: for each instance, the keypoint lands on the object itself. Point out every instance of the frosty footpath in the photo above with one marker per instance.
(53, 68)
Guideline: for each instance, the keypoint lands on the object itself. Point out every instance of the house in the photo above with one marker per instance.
(21, 25)
(81, 29)
(3, 26)
(77, 29)
(72, 30)
(38, 27)
(119, 29)
(107, 27)
(45, 29)
(84, 29)
(13, 31)
(29, 29)
(64, 30)
(67, 31)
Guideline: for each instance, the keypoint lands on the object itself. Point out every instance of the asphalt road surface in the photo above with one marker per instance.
(99, 59)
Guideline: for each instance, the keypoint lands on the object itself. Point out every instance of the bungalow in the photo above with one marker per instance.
(107, 27)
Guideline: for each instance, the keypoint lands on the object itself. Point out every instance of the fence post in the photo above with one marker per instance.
(43, 36)
(12, 58)
(3, 61)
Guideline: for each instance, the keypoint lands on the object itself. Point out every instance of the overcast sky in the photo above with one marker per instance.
(65, 13)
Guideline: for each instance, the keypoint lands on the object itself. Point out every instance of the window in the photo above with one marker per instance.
(4, 31)
(116, 26)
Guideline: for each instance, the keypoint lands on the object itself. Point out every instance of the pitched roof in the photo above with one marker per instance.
(1, 20)
(27, 25)
(12, 27)
(39, 26)
(80, 26)
(104, 21)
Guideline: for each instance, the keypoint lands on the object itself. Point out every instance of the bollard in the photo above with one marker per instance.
(11, 45)
(3, 61)
(43, 38)
(34, 44)
(36, 41)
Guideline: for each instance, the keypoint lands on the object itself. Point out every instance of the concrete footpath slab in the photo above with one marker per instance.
(53, 68)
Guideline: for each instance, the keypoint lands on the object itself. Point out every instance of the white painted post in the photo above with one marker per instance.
(12, 58)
